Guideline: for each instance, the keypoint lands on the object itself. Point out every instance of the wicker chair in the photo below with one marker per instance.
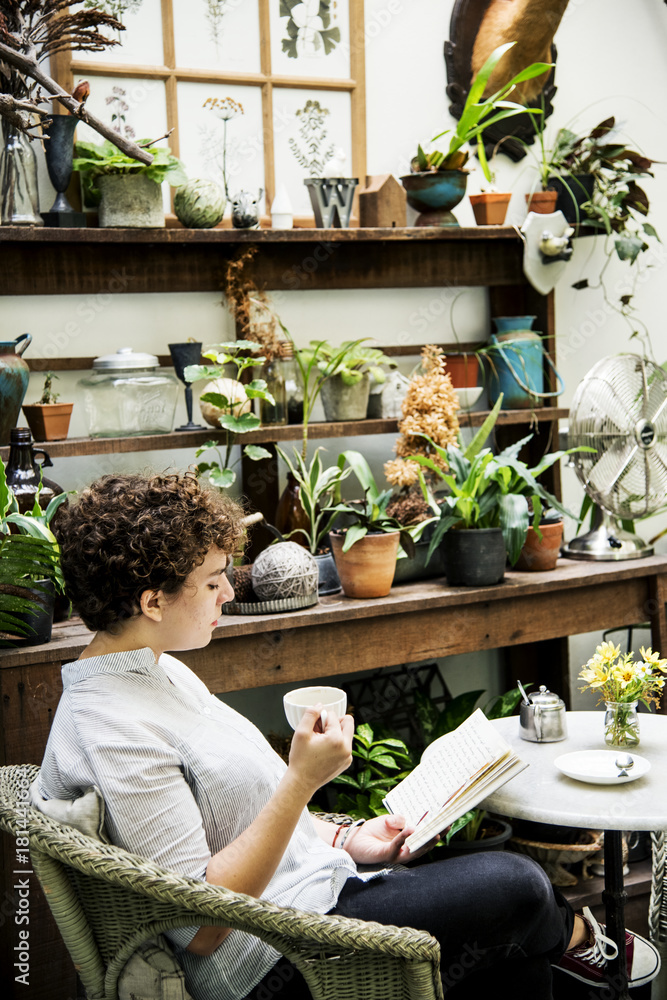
(106, 902)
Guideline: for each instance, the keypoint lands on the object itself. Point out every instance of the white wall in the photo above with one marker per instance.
(610, 61)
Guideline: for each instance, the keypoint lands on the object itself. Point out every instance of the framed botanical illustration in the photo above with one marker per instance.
(253, 93)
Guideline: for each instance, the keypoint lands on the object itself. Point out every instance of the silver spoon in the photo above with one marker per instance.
(624, 762)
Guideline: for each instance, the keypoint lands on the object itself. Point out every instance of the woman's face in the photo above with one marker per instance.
(189, 617)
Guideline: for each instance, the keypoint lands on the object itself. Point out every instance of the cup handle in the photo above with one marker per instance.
(323, 717)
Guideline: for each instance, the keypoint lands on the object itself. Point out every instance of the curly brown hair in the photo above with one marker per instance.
(129, 533)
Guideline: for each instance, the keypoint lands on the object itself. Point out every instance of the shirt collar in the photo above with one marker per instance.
(135, 661)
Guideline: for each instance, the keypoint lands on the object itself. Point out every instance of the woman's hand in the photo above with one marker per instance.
(316, 755)
(382, 839)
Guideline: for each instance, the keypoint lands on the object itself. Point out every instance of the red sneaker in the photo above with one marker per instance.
(588, 962)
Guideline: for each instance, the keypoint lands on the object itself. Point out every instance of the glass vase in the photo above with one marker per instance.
(276, 412)
(621, 724)
(19, 197)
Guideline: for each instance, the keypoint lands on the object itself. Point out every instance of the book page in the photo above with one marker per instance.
(455, 769)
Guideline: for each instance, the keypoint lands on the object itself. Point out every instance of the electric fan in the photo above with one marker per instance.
(620, 409)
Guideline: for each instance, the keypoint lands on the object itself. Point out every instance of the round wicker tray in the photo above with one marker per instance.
(270, 607)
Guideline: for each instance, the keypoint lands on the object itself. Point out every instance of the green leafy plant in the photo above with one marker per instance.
(478, 113)
(491, 491)
(26, 558)
(385, 762)
(317, 489)
(93, 160)
(221, 472)
(369, 514)
(351, 361)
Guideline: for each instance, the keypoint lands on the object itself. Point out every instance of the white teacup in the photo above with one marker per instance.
(296, 702)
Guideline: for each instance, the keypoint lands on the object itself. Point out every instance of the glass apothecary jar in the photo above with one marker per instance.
(128, 394)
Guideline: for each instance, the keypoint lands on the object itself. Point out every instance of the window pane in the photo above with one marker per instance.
(217, 34)
(309, 126)
(310, 39)
(141, 42)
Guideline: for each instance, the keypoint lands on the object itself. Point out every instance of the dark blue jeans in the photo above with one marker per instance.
(498, 919)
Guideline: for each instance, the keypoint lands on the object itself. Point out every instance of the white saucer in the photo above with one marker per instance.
(598, 768)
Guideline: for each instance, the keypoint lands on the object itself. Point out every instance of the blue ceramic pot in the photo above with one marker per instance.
(506, 323)
(434, 193)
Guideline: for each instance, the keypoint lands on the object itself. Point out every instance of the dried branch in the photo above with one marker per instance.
(21, 113)
(30, 68)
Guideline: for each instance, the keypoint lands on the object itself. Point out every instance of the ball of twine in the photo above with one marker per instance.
(284, 570)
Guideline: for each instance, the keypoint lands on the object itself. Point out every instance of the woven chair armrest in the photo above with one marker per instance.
(231, 909)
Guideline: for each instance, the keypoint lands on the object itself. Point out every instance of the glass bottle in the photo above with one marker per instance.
(19, 196)
(24, 472)
(290, 514)
(293, 384)
(272, 373)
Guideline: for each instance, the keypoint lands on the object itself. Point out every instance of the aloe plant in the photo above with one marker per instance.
(480, 112)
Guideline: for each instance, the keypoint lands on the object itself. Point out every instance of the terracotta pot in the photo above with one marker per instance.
(490, 207)
(539, 555)
(48, 421)
(462, 369)
(542, 202)
(367, 569)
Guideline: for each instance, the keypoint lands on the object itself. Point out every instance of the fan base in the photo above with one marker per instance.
(608, 543)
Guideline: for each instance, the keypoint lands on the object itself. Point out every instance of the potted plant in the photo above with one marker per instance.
(316, 490)
(128, 192)
(486, 505)
(30, 573)
(366, 546)
(438, 180)
(541, 548)
(490, 206)
(347, 372)
(232, 406)
(48, 419)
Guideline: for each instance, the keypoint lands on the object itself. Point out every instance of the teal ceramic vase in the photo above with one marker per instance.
(434, 193)
(14, 376)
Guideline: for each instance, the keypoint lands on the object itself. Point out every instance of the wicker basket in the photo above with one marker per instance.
(552, 857)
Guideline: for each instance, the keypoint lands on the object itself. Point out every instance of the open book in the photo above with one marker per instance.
(456, 772)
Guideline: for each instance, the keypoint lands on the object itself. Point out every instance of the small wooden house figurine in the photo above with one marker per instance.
(382, 202)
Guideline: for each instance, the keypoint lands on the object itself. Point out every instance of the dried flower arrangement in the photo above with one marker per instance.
(429, 408)
(251, 308)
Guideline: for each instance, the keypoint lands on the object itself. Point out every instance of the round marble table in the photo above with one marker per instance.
(542, 794)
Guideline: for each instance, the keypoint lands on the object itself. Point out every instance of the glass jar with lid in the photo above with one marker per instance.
(128, 394)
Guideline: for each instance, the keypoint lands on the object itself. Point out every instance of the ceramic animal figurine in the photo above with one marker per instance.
(556, 247)
(335, 166)
(245, 210)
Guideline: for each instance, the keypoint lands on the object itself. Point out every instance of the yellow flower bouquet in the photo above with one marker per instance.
(621, 683)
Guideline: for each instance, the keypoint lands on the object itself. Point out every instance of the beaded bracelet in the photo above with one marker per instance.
(348, 831)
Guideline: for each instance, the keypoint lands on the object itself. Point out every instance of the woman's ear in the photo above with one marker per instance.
(151, 602)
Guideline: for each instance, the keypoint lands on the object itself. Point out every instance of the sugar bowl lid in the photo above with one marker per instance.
(545, 698)
(125, 357)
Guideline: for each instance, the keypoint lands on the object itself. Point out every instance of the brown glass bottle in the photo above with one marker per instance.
(290, 515)
(23, 471)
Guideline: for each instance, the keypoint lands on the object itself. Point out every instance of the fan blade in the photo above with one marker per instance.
(609, 467)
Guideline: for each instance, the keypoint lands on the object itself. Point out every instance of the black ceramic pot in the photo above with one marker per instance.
(39, 622)
(572, 193)
(474, 557)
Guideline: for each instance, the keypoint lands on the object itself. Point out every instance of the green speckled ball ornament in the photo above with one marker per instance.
(200, 204)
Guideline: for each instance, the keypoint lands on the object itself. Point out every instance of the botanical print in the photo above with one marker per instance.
(217, 151)
(119, 107)
(310, 150)
(308, 28)
(215, 11)
(117, 8)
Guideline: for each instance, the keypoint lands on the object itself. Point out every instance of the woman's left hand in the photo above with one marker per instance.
(382, 839)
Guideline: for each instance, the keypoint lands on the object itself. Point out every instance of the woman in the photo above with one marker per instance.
(191, 784)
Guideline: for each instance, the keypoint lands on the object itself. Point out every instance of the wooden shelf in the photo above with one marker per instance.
(41, 261)
(267, 435)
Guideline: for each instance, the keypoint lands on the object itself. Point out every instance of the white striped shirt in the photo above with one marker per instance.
(182, 775)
